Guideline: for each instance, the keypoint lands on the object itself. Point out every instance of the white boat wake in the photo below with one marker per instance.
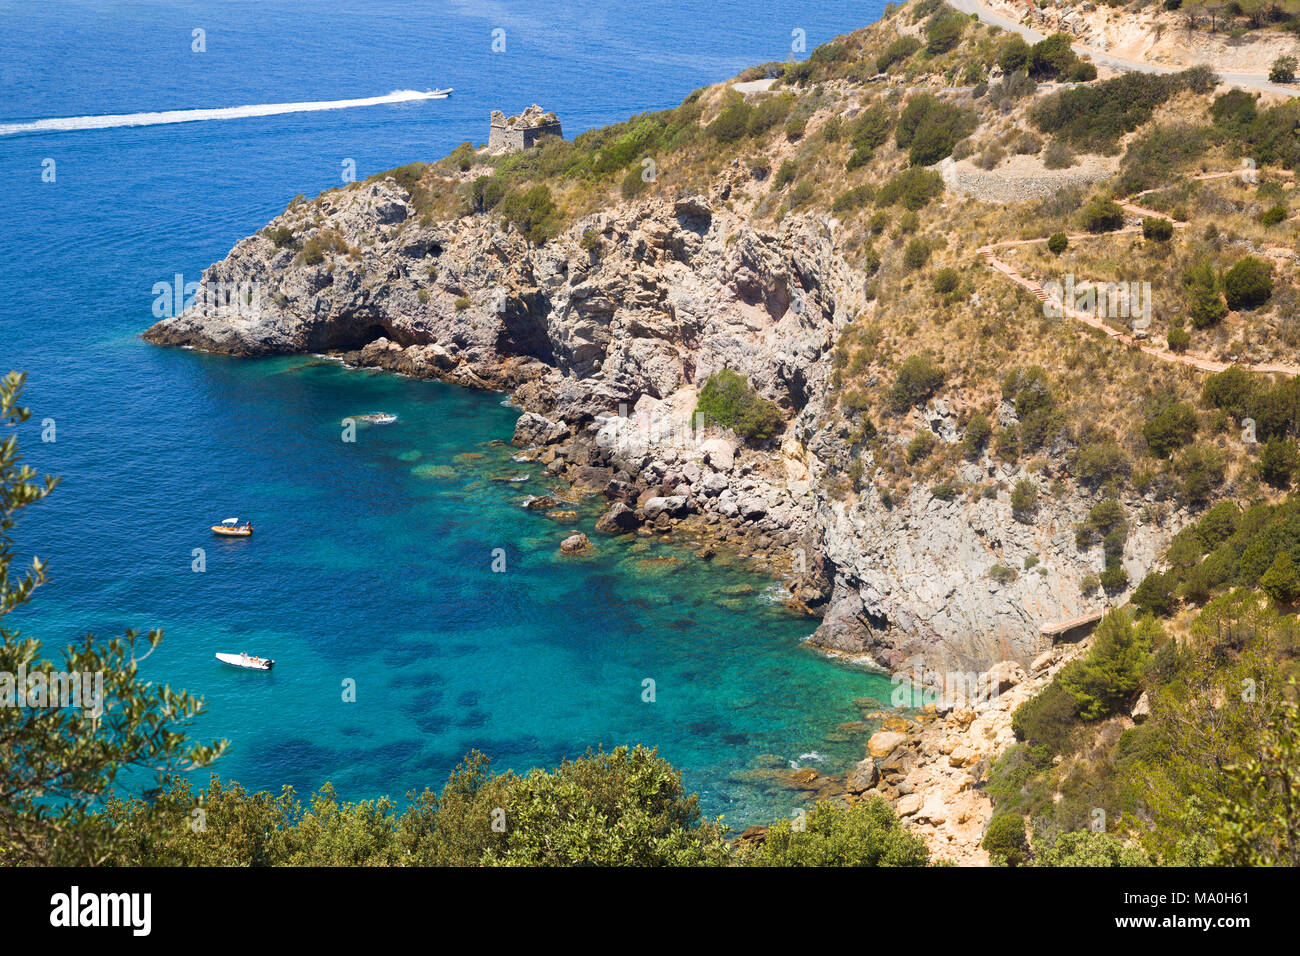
(73, 123)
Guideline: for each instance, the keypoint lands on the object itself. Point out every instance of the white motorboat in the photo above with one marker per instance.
(247, 661)
(440, 94)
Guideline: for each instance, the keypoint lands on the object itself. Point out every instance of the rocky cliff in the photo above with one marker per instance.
(603, 335)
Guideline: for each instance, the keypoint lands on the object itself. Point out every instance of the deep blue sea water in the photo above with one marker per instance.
(372, 560)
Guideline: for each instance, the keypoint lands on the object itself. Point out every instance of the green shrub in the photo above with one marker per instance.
(943, 32)
(1096, 117)
(1102, 215)
(1051, 58)
(1273, 215)
(919, 447)
(896, 52)
(1024, 499)
(928, 128)
(946, 281)
(1057, 243)
(461, 303)
(1005, 840)
(1104, 681)
(1205, 304)
(1157, 594)
(1048, 719)
(280, 236)
(916, 254)
(728, 400)
(1013, 55)
(1086, 847)
(1179, 339)
(918, 378)
(943, 491)
(1248, 284)
(865, 834)
(732, 122)
(1099, 462)
(532, 212)
(1282, 70)
(913, 188)
(1002, 574)
(1171, 429)
(1278, 461)
(978, 431)
(486, 192)
(1281, 581)
(1159, 230)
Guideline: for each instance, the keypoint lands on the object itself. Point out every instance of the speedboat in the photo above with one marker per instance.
(231, 528)
(247, 661)
(378, 418)
(440, 94)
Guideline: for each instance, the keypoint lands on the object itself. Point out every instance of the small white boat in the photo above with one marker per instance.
(440, 94)
(231, 528)
(378, 418)
(246, 661)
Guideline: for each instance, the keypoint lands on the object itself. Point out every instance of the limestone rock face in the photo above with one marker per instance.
(604, 345)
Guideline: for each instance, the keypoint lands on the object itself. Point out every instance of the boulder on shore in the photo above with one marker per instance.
(575, 544)
(618, 519)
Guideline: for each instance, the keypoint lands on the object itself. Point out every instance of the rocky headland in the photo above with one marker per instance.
(603, 336)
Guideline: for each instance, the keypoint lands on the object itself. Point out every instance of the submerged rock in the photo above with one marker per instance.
(575, 544)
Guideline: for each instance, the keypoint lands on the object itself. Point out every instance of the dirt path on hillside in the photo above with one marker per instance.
(1200, 362)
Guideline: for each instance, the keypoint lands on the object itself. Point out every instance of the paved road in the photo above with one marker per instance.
(1257, 81)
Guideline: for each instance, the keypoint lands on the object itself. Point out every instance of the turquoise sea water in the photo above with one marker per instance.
(372, 560)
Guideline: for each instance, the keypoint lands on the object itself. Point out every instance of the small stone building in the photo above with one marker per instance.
(511, 134)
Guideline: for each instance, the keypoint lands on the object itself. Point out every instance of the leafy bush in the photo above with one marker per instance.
(896, 52)
(280, 236)
(732, 122)
(1179, 339)
(928, 128)
(1096, 117)
(1205, 304)
(532, 212)
(1105, 680)
(1013, 55)
(1086, 847)
(919, 447)
(727, 399)
(1248, 284)
(1282, 70)
(978, 431)
(866, 834)
(1051, 57)
(1057, 243)
(943, 32)
(486, 192)
(1273, 215)
(1099, 462)
(1102, 215)
(1172, 428)
(916, 254)
(1278, 461)
(1160, 230)
(1157, 594)
(1005, 840)
(913, 188)
(946, 281)
(1024, 499)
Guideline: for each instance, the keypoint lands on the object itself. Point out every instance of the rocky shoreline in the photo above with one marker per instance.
(604, 333)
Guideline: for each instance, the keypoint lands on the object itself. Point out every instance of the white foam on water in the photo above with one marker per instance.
(73, 123)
